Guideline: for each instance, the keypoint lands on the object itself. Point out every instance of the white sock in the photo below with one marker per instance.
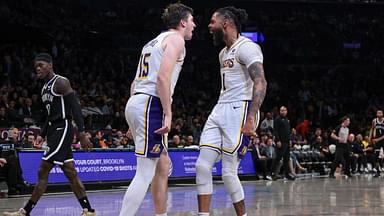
(245, 214)
(164, 214)
(145, 170)
(203, 214)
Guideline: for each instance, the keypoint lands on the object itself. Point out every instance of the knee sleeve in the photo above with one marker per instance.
(231, 180)
(204, 166)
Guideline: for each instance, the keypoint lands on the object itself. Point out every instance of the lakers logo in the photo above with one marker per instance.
(228, 63)
(244, 150)
(155, 149)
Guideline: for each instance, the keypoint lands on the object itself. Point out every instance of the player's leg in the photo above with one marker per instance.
(204, 165)
(159, 186)
(376, 165)
(232, 182)
(144, 115)
(210, 150)
(40, 187)
(76, 185)
(134, 196)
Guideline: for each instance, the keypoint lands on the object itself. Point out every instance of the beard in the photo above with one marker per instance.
(218, 37)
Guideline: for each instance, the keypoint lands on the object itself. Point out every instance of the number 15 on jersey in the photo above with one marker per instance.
(144, 65)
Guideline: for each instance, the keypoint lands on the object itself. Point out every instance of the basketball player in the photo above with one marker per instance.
(340, 135)
(148, 111)
(376, 136)
(61, 105)
(235, 117)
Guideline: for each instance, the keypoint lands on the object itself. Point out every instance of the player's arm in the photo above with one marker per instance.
(63, 87)
(371, 131)
(250, 55)
(173, 46)
(256, 71)
(132, 87)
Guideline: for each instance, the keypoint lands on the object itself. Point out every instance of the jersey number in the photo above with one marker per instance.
(48, 108)
(144, 65)
(223, 80)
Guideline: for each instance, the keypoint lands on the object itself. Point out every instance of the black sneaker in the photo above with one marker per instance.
(290, 177)
(331, 175)
(376, 175)
(275, 177)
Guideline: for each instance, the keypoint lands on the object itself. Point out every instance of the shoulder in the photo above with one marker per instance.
(62, 81)
(62, 85)
(175, 39)
(247, 44)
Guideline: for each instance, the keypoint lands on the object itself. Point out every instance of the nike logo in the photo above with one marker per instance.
(59, 128)
(236, 107)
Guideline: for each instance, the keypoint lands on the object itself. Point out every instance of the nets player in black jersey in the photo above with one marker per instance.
(376, 136)
(61, 105)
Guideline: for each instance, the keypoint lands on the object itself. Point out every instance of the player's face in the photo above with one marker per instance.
(42, 69)
(379, 114)
(216, 28)
(189, 27)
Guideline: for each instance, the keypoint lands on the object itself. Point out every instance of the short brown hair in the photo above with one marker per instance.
(173, 13)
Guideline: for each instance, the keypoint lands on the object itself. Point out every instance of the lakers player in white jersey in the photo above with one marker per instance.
(148, 111)
(235, 117)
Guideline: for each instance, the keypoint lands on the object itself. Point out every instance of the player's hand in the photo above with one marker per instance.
(374, 141)
(249, 128)
(85, 142)
(129, 133)
(38, 143)
(166, 125)
(2, 162)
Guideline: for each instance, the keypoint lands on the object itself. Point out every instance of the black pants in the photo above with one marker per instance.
(263, 166)
(342, 156)
(11, 171)
(282, 153)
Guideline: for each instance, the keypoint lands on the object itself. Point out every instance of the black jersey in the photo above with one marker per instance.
(53, 102)
(378, 128)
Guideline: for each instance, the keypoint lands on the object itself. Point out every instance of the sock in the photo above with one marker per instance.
(84, 202)
(164, 214)
(29, 206)
(245, 214)
(203, 214)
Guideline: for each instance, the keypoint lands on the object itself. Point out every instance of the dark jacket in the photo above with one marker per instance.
(281, 129)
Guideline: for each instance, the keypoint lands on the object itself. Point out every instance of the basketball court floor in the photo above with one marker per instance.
(359, 195)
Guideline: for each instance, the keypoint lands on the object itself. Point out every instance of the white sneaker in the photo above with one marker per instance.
(88, 213)
(20, 212)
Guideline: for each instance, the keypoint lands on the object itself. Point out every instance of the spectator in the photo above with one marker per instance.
(27, 112)
(176, 142)
(190, 143)
(4, 121)
(10, 168)
(260, 158)
(29, 140)
(267, 123)
(14, 138)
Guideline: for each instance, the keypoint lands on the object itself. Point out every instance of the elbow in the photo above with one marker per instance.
(161, 80)
(265, 83)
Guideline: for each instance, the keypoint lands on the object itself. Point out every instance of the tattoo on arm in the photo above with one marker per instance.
(256, 71)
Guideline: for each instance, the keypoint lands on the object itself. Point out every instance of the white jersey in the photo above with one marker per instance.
(149, 66)
(236, 83)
